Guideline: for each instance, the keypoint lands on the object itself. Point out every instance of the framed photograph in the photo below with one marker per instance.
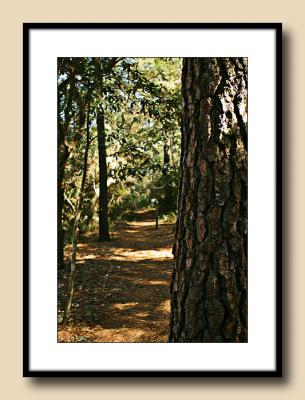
(152, 199)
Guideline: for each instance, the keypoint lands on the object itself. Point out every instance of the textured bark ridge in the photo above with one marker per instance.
(209, 283)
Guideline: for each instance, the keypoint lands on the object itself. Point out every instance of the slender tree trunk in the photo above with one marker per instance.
(78, 209)
(63, 153)
(157, 215)
(166, 152)
(170, 150)
(62, 159)
(209, 282)
(167, 201)
(103, 198)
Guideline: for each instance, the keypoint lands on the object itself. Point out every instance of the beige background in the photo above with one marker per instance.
(14, 12)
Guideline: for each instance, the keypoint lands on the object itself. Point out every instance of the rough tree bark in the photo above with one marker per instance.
(103, 197)
(209, 282)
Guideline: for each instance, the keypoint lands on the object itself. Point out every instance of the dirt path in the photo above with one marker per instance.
(122, 288)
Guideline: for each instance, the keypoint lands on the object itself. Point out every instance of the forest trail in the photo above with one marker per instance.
(122, 286)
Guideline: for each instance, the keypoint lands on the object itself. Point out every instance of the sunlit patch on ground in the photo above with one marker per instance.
(149, 254)
(124, 306)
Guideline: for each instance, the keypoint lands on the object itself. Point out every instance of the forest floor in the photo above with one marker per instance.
(122, 286)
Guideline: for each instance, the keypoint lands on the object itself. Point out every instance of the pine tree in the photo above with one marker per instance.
(209, 283)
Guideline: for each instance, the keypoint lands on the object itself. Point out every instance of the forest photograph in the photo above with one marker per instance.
(152, 200)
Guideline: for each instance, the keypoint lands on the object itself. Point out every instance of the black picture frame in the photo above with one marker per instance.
(27, 371)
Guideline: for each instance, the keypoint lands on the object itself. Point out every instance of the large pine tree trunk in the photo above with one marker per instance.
(103, 198)
(209, 283)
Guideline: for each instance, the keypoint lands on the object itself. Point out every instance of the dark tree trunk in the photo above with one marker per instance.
(100, 71)
(209, 282)
(103, 197)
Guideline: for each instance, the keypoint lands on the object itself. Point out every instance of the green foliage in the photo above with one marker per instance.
(170, 218)
(141, 101)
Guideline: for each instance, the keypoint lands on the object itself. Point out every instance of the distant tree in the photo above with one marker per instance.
(209, 282)
(103, 197)
(104, 70)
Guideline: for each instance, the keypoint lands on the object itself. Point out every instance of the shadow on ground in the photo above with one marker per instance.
(122, 286)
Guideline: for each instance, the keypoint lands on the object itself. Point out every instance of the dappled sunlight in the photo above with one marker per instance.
(123, 306)
(119, 145)
(121, 254)
(165, 283)
(90, 257)
(149, 254)
(142, 314)
(142, 224)
(78, 334)
(165, 306)
(123, 291)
